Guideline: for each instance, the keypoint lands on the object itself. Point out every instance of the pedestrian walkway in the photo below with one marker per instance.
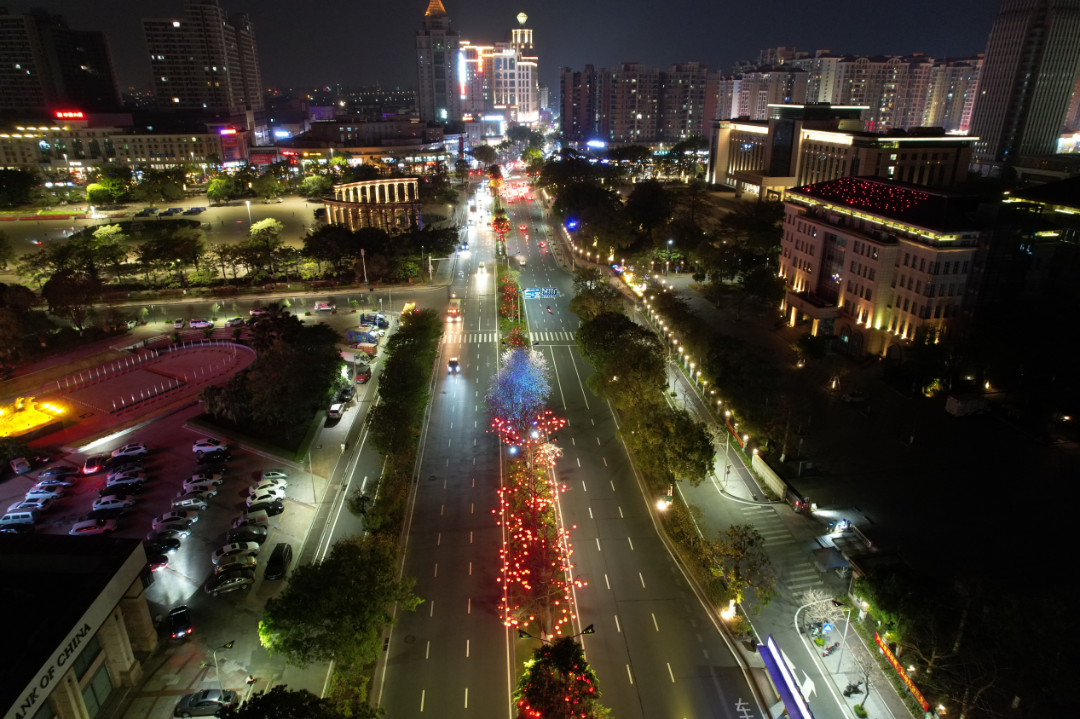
(453, 338)
(790, 558)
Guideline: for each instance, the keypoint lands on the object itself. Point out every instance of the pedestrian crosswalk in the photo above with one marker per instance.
(790, 559)
(482, 337)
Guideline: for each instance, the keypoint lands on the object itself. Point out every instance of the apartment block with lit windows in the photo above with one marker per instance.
(874, 262)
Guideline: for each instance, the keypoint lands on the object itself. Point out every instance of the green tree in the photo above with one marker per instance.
(157, 186)
(281, 703)
(316, 186)
(593, 294)
(220, 189)
(71, 295)
(98, 193)
(266, 234)
(16, 187)
(461, 170)
(649, 206)
(267, 187)
(7, 250)
(336, 610)
(559, 684)
(10, 448)
(484, 154)
(743, 564)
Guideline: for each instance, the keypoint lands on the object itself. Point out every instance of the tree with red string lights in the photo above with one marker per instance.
(559, 684)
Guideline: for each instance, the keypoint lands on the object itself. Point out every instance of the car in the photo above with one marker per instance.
(264, 495)
(67, 481)
(174, 520)
(273, 475)
(124, 468)
(453, 365)
(521, 261)
(178, 623)
(123, 463)
(190, 486)
(521, 227)
(132, 484)
(114, 513)
(229, 582)
(19, 528)
(199, 323)
(272, 509)
(260, 487)
(278, 563)
(162, 545)
(197, 493)
(258, 312)
(113, 501)
(219, 455)
(93, 526)
(163, 534)
(346, 393)
(134, 449)
(363, 376)
(31, 505)
(51, 492)
(235, 322)
(335, 411)
(208, 702)
(128, 324)
(273, 201)
(250, 533)
(128, 475)
(232, 564)
(481, 269)
(19, 465)
(236, 549)
(207, 475)
(178, 323)
(94, 464)
(59, 470)
(207, 444)
(854, 397)
(324, 307)
(156, 562)
(543, 244)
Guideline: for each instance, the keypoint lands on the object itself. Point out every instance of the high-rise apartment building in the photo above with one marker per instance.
(952, 94)
(1032, 60)
(682, 101)
(437, 62)
(45, 65)
(577, 103)
(628, 106)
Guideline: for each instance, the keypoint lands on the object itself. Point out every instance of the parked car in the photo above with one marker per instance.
(345, 394)
(235, 322)
(162, 545)
(67, 481)
(202, 494)
(190, 486)
(363, 374)
(114, 513)
(118, 463)
(272, 509)
(157, 562)
(94, 464)
(93, 526)
(173, 520)
(266, 488)
(324, 307)
(51, 492)
(123, 469)
(163, 534)
(272, 475)
(228, 582)
(19, 465)
(199, 323)
(219, 455)
(249, 533)
(854, 397)
(31, 505)
(113, 501)
(209, 475)
(335, 411)
(60, 470)
(232, 564)
(131, 475)
(18, 528)
(264, 495)
(134, 449)
(207, 444)
(208, 702)
(178, 623)
(178, 324)
(258, 312)
(236, 549)
(278, 564)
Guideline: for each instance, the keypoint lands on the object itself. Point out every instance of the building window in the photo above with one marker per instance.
(907, 258)
(84, 660)
(871, 274)
(964, 271)
(922, 265)
(97, 691)
(906, 304)
(869, 294)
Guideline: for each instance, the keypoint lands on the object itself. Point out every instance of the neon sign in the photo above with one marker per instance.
(229, 131)
(903, 675)
(69, 114)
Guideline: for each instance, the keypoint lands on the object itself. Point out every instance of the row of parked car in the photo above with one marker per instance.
(151, 211)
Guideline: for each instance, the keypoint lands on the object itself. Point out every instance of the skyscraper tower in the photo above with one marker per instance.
(437, 46)
(1032, 59)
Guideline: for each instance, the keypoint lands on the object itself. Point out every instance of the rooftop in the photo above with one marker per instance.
(49, 583)
(924, 207)
(1064, 193)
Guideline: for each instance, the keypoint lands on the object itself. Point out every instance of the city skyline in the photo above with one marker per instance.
(567, 34)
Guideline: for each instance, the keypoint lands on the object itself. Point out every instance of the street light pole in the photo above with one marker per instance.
(843, 641)
(248, 203)
(217, 669)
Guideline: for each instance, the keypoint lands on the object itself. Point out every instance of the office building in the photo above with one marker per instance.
(807, 144)
(438, 93)
(46, 66)
(208, 62)
(876, 262)
(83, 623)
(1032, 60)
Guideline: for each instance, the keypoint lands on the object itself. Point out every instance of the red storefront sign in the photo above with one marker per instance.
(903, 675)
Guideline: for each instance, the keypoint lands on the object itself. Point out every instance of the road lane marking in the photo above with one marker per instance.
(670, 673)
(598, 442)
(441, 507)
(423, 693)
(705, 652)
(617, 625)
(470, 537)
(470, 569)
(466, 656)
(642, 580)
(573, 442)
(438, 540)
(436, 569)
(621, 514)
(583, 485)
(469, 609)
(598, 546)
(466, 697)
(427, 652)
(631, 543)
(431, 613)
(590, 513)
(612, 483)
(451, 425)
(605, 460)
(471, 508)
(605, 576)
(593, 421)
(627, 674)
(578, 462)
(654, 621)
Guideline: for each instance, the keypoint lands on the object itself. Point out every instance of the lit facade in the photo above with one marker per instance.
(682, 105)
(437, 57)
(875, 262)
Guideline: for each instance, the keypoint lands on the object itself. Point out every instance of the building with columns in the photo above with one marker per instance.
(392, 205)
(78, 623)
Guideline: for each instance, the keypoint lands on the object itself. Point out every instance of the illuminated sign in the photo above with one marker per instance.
(903, 675)
(229, 131)
(786, 686)
(756, 129)
(69, 114)
(836, 138)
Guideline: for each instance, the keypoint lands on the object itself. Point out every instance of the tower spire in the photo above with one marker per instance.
(435, 9)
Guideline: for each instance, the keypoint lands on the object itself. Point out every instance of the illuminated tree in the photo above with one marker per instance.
(518, 393)
(559, 683)
(500, 225)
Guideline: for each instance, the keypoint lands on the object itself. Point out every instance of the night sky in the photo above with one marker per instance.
(348, 42)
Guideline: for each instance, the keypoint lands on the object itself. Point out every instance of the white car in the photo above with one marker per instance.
(266, 495)
(124, 469)
(67, 481)
(200, 486)
(203, 494)
(135, 449)
(114, 501)
(52, 492)
(258, 312)
(267, 488)
(235, 322)
(481, 269)
(216, 476)
(31, 505)
(198, 324)
(207, 444)
(94, 526)
(178, 324)
(272, 475)
(129, 476)
(324, 307)
(237, 549)
(175, 520)
(19, 465)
